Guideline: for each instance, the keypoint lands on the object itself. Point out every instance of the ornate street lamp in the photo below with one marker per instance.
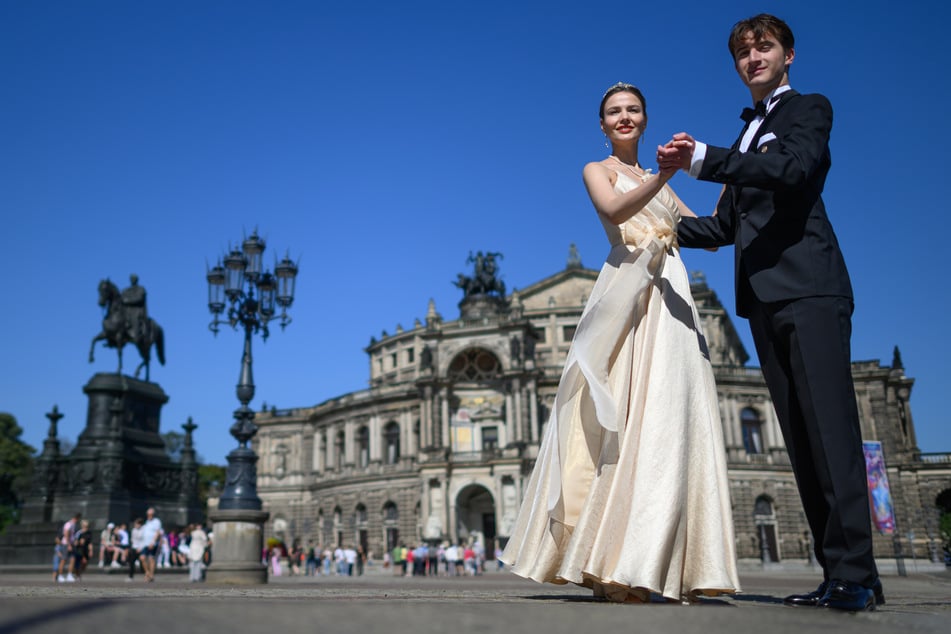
(239, 284)
(250, 295)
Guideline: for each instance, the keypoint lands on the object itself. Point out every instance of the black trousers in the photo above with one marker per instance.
(805, 353)
(133, 557)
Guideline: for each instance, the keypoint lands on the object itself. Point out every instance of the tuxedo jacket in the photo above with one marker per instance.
(772, 209)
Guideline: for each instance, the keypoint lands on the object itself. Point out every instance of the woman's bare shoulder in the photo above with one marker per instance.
(599, 169)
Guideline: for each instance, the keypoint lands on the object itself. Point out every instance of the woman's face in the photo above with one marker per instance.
(624, 118)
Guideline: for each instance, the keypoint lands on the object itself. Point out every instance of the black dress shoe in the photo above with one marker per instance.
(808, 600)
(848, 596)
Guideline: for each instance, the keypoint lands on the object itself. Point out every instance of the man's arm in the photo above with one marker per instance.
(709, 231)
(788, 163)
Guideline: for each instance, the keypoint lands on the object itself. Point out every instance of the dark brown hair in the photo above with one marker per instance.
(760, 26)
(622, 87)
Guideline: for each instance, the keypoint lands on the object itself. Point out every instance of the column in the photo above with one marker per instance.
(769, 425)
(425, 434)
(376, 439)
(349, 443)
(532, 413)
(519, 417)
(729, 414)
(510, 435)
(318, 466)
(444, 407)
(447, 529)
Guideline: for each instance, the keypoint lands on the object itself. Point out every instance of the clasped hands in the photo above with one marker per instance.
(676, 154)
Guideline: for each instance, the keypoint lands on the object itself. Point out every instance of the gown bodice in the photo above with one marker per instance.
(657, 220)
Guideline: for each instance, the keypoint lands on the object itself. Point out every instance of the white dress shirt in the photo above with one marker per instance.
(700, 149)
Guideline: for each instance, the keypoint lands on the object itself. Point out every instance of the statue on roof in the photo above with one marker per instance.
(485, 279)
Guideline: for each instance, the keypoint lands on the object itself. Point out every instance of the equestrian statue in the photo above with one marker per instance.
(126, 321)
(485, 280)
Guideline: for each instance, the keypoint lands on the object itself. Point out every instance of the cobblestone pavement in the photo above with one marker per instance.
(380, 602)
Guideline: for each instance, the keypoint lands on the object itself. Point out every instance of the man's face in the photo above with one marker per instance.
(761, 64)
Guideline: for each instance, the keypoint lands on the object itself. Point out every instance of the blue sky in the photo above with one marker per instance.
(380, 142)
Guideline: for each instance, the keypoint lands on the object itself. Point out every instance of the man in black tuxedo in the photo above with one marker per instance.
(793, 286)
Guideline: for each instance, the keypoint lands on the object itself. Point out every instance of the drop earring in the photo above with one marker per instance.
(606, 144)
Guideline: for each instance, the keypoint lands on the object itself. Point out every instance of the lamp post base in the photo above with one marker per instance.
(237, 547)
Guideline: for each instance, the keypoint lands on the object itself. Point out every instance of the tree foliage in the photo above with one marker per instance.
(944, 527)
(211, 480)
(16, 469)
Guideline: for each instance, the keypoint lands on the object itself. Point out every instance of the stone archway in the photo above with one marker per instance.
(475, 518)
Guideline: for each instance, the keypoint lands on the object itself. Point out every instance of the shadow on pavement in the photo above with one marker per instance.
(66, 613)
(759, 598)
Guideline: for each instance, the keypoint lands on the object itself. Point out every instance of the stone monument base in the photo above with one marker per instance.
(237, 547)
(29, 544)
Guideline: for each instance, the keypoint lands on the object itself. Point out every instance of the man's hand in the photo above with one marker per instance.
(677, 153)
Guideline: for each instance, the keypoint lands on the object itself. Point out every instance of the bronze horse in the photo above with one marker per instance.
(120, 326)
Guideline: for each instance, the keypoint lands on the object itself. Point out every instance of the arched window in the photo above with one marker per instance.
(363, 446)
(391, 529)
(752, 426)
(391, 440)
(360, 514)
(764, 518)
(474, 365)
(340, 445)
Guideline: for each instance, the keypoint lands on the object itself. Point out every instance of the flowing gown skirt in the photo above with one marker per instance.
(629, 494)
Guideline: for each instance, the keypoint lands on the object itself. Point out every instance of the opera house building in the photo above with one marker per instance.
(440, 445)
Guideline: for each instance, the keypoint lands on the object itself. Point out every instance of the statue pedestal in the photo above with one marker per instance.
(237, 547)
(117, 470)
(480, 306)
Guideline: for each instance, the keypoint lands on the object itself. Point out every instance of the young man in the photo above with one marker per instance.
(151, 536)
(64, 548)
(793, 286)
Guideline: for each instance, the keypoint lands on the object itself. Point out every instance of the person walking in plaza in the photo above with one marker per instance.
(793, 286)
(629, 494)
(310, 564)
(198, 542)
(82, 550)
(152, 535)
(137, 547)
(64, 550)
(361, 559)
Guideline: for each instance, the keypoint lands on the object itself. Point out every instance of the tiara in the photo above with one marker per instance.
(618, 87)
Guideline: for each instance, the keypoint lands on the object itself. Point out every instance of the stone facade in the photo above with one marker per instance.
(440, 446)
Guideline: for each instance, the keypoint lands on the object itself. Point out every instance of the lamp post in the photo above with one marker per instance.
(251, 296)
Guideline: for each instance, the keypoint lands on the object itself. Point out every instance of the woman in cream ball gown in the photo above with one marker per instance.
(629, 495)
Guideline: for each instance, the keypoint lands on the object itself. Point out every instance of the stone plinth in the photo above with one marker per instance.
(117, 470)
(237, 547)
(481, 306)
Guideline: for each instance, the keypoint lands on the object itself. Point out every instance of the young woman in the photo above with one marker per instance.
(629, 495)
